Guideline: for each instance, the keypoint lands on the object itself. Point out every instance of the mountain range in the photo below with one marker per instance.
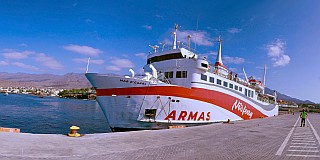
(78, 80)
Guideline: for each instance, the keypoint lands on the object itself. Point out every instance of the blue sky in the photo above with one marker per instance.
(58, 36)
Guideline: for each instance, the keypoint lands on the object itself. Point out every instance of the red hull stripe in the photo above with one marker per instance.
(214, 97)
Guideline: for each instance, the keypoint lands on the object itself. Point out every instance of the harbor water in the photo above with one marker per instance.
(51, 115)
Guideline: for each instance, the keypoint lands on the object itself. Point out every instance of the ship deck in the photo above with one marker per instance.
(279, 137)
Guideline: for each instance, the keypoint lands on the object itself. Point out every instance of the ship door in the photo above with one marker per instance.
(150, 114)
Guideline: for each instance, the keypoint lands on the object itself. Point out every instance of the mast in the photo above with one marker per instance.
(88, 65)
(245, 75)
(264, 75)
(189, 41)
(219, 59)
(174, 46)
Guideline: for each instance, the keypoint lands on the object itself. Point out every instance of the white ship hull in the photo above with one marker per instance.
(124, 102)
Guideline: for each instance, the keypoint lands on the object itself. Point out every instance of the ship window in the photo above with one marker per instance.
(168, 74)
(240, 89)
(165, 57)
(204, 65)
(225, 84)
(211, 79)
(235, 87)
(219, 81)
(150, 113)
(203, 77)
(245, 92)
(181, 74)
(184, 74)
(231, 85)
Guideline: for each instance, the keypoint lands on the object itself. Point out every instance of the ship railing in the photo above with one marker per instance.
(168, 48)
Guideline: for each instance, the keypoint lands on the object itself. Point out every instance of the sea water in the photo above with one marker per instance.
(51, 115)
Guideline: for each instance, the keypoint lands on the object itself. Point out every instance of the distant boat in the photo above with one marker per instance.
(5, 94)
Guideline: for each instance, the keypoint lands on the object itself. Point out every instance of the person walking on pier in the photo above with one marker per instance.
(303, 117)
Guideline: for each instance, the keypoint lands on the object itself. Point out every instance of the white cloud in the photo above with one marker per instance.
(3, 63)
(276, 53)
(234, 30)
(119, 63)
(23, 45)
(148, 27)
(48, 61)
(159, 16)
(122, 63)
(141, 55)
(233, 69)
(85, 50)
(233, 60)
(88, 20)
(113, 68)
(85, 60)
(12, 54)
(25, 66)
(201, 38)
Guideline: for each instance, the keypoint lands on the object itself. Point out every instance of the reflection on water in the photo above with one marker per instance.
(50, 114)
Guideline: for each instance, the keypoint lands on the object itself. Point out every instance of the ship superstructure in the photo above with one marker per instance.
(180, 88)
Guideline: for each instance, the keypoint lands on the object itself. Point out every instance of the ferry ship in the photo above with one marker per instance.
(180, 88)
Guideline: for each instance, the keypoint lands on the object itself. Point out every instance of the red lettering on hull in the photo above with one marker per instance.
(192, 116)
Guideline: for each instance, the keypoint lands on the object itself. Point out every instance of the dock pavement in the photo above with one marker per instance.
(279, 137)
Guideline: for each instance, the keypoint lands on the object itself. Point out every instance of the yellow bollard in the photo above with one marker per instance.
(73, 131)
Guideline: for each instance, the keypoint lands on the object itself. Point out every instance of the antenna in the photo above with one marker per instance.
(155, 47)
(189, 40)
(174, 46)
(195, 40)
(88, 65)
(245, 75)
(264, 75)
(162, 44)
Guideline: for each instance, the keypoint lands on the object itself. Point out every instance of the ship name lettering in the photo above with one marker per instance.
(134, 82)
(242, 108)
(188, 116)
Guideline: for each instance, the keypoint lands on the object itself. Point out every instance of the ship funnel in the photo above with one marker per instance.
(132, 72)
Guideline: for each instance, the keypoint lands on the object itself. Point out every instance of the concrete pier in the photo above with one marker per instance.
(279, 137)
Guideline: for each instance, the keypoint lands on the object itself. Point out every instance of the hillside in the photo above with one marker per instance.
(68, 81)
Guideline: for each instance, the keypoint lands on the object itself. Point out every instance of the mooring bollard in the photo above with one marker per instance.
(74, 131)
(228, 121)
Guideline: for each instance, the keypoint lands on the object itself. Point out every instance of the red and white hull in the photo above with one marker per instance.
(126, 101)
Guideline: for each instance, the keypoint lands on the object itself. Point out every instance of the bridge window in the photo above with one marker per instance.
(181, 74)
(231, 85)
(246, 92)
(211, 79)
(240, 89)
(204, 65)
(168, 74)
(203, 77)
(219, 81)
(235, 87)
(164, 57)
(225, 84)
